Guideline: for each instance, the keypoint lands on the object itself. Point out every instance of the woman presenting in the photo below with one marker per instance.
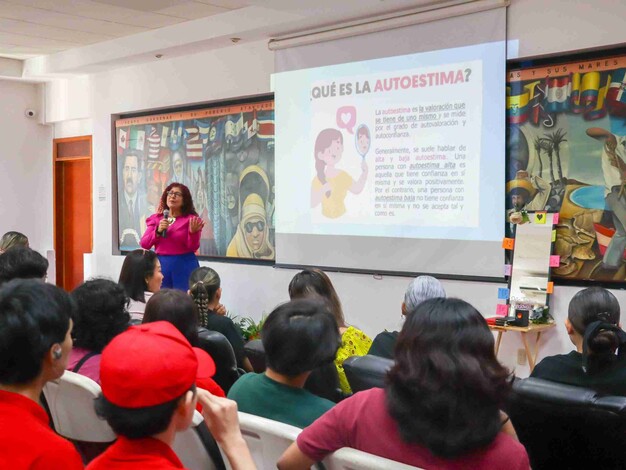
(174, 232)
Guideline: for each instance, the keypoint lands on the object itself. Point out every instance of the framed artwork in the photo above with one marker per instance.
(566, 153)
(223, 153)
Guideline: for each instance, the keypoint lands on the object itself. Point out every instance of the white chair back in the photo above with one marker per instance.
(266, 439)
(70, 400)
(190, 449)
(352, 459)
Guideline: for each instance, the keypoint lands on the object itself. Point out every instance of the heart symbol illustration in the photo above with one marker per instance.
(345, 118)
(539, 216)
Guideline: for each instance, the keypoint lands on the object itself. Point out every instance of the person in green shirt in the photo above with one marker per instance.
(297, 336)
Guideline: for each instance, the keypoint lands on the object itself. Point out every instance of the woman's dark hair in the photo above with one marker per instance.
(446, 388)
(33, 317)
(299, 336)
(177, 308)
(138, 266)
(137, 423)
(101, 314)
(203, 285)
(20, 262)
(591, 305)
(312, 282)
(187, 207)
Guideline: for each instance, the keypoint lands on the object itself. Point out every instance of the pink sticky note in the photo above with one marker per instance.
(507, 269)
(555, 261)
(555, 218)
(502, 310)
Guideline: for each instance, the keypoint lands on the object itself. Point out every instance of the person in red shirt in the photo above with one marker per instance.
(35, 345)
(440, 409)
(179, 309)
(148, 376)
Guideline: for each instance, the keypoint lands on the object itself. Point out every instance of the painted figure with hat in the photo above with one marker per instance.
(527, 194)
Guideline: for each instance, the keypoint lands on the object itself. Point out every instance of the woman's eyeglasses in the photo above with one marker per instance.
(174, 194)
(260, 225)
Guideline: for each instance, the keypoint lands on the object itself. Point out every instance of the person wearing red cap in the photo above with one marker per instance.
(35, 345)
(148, 376)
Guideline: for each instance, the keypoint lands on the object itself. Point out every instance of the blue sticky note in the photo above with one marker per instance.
(503, 293)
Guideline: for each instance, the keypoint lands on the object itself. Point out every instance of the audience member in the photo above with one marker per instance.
(148, 378)
(35, 344)
(101, 315)
(11, 239)
(206, 291)
(599, 361)
(141, 277)
(441, 407)
(315, 283)
(21, 262)
(176, 307)
(297, 337)
(421, 288)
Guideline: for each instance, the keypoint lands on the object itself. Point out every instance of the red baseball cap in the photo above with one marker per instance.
(151, 364)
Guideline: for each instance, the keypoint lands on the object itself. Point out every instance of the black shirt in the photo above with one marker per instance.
(383, 344)
(225, 325)
(567, 369)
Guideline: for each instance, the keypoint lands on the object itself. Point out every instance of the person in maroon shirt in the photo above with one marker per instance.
(35, 345)
(440, 409)
(148, 375)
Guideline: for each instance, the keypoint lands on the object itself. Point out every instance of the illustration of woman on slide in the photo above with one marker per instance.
(331, 184)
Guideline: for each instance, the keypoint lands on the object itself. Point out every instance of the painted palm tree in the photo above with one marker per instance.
(546, 145)
(537, 145)
(556, 139)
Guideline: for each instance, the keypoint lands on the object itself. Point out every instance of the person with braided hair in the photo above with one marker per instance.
(206, 291)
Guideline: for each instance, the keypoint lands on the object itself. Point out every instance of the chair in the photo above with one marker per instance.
(564, 426)
(365, 372)
(220, 349)
(266, 439)
(324, 382)
(256, 355)
(196, 448)
(70, 401)
(352, 459)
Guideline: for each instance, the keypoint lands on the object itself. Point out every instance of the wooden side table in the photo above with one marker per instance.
(523, 331)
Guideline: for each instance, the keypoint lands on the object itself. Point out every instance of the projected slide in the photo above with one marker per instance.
(394, 147)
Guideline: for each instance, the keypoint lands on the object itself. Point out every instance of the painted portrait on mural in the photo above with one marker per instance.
(225, 155)
(566, 153)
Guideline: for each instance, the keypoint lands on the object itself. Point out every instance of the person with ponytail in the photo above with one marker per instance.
(599, 361)
(331, 184)
(206, 291)
(440, 408)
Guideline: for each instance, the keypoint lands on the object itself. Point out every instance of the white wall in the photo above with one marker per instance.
(541, 27)
(26, 166)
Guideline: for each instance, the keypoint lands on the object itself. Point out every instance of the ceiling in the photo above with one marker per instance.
(30, 28)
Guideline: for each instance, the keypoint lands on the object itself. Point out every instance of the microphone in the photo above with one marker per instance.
(166, 215)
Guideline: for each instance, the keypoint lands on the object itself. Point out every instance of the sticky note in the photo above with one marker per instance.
(503, 293)
(550, 288)
(502, 310)
(555, 218)
(540, 217)
(507, 269)
(508, 243)
(555, 261)
(553, 235)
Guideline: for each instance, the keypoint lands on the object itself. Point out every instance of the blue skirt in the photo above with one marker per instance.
(177, 269)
